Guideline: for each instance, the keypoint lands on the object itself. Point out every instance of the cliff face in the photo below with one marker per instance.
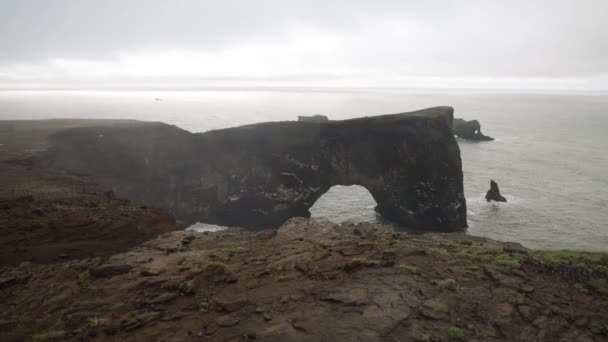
(260, 175)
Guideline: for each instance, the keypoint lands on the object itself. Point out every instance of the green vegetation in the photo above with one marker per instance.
(589, 261)
(494, 256)
(53, 335)
(406, 268)
(471, 271)
(231, 250)
(324, 244)
(600, 286)
(372, 262)
(186, 288)
(98, 322)
(455, 333)
(203, 307)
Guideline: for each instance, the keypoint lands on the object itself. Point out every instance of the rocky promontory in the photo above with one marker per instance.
(258, 176)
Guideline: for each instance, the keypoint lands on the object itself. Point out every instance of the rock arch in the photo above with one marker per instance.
(259, 176)
(345, 204)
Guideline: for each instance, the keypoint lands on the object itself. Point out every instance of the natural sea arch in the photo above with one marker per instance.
(259, 176)
(345, 204)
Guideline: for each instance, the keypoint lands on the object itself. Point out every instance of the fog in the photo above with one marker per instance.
(558, 44)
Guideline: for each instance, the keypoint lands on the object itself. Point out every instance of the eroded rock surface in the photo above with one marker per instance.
(470, 130)
(260, 175)
(299, 283)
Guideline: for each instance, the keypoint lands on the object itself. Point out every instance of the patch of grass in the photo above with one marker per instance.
(216, 264)
(455, 333)
(372, 262)
(203, 307)
(565, 255)
(98, 322)
(52, 335)
(590, 261)
(600, 286)
(580, 287)
(507, 261)
(231, 250)
(438, 252)
(494, 256)
(406, 268)
(324, 244)
(186, 288)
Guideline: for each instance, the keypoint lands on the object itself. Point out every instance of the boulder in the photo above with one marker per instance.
(494, 194)
(470, 130)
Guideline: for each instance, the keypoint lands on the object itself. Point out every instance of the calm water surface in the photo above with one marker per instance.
(550, 157)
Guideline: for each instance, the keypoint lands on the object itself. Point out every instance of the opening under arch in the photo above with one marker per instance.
(345, 204)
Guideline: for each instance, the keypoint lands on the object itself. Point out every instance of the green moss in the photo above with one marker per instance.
(203, 307)
(494, 256)
(590, 261)
(324, 244)
(216, 264)
(566, 255)
(186, 288)
(471, 271)
(455, 333)
(599, 286)
(580, 287)
(372, 262)
(231, 250)
(406, 268)
(507, 261)
(53, 335)
(98, 322)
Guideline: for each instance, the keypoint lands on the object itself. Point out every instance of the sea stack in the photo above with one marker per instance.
(470, 130)
(494, 194)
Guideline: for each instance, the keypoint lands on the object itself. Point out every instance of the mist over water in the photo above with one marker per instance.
(550, 158)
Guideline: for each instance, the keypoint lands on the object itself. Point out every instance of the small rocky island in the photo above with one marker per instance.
(469, 130)
(494, 193)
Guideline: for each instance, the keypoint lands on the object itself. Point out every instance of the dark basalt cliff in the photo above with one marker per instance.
(260, 175)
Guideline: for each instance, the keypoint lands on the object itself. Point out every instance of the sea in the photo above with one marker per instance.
(550, 156)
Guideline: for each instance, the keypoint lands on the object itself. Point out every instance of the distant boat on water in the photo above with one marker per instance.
(158, 99)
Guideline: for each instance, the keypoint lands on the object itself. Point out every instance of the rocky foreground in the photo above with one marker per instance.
(310, 282)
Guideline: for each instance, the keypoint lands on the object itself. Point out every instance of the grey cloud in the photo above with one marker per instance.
(477, 38)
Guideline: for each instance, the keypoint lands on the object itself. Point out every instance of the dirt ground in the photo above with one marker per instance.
(309, 282)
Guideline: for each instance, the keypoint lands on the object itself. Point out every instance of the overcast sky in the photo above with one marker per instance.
(555, 44)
